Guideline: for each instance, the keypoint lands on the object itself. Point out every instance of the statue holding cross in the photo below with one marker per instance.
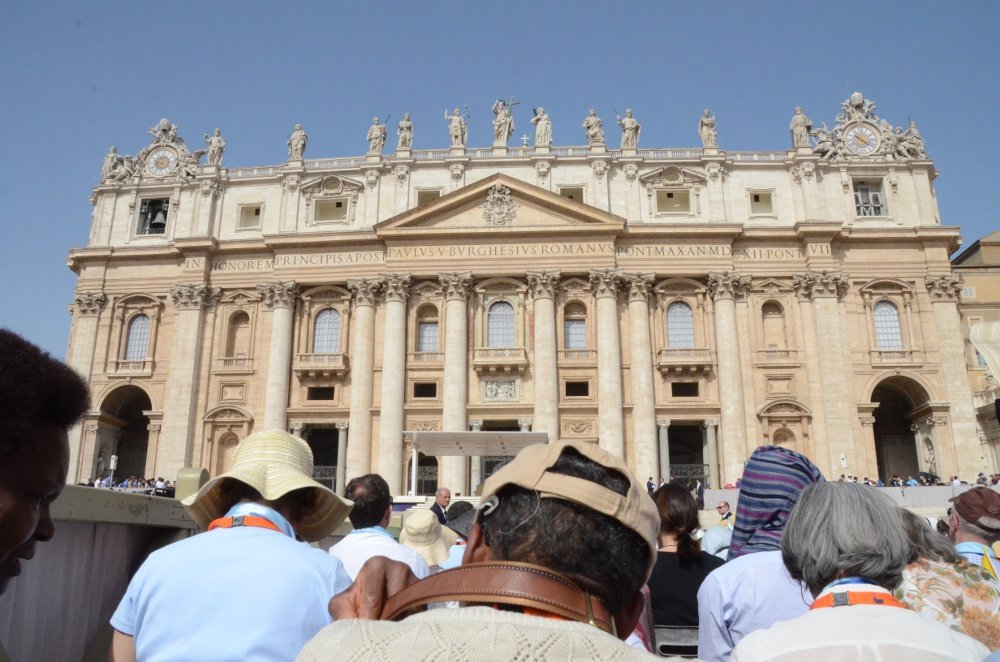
(503, 121)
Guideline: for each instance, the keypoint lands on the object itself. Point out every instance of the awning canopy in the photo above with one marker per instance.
(474, 443)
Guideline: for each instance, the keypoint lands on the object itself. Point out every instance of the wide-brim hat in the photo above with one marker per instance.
(423, 533)
(274, 463)
(530, 470)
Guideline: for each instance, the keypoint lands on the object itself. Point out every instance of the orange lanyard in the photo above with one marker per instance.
(851, 598)
(243, 520)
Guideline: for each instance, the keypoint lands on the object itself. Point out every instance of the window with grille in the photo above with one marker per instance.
(500, 325)
(680, 326)
(427, 337)
(888, 335)
(868, 199)
(575, 327)
(137, 342)
(326, 332)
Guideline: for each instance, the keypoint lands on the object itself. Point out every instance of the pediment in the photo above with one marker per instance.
(501, 204)
(772, 287)
(673, 175)
(330, 185)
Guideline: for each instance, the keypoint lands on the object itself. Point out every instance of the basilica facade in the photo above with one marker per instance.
(679, 307)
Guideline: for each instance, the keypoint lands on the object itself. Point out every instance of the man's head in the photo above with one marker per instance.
(442, 497)
(723, 508)
(41, 397)
(574, 509)
(372, 501)
(975, 516)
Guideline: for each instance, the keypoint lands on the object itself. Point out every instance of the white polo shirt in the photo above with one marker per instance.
(362, 544)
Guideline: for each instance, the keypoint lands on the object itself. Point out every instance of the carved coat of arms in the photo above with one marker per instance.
(500, 207)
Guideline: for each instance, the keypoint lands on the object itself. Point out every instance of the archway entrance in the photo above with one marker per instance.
(895, 445)
(123, 431)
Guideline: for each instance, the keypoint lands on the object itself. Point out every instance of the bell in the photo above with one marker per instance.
(159, 220)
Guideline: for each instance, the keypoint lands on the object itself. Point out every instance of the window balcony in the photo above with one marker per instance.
(685, 361)
(578, 357)
(233, 365)
(778, 356)
(425, 359)
(895, 357)
(320, 366)
(139, 368)
(499, 359)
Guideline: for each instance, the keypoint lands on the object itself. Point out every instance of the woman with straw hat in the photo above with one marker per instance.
(246, 588)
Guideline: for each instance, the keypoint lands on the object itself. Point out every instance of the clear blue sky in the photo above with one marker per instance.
(78, 77)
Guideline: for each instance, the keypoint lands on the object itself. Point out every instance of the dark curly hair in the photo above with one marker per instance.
(35, 390)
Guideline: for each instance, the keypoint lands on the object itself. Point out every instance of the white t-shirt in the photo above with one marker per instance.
(362, 544)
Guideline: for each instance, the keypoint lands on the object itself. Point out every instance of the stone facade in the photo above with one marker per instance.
(676, 306)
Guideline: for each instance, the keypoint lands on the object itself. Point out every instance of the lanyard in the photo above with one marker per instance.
(850, 598)
(244, 520)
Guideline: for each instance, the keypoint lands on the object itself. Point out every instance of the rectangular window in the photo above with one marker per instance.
(572, 192)
(575, 334)
(427, 196)
(968, 293)
(761, 203)
(577, 389)
(684, 389)
(319, 393)
(673, 202)
(249, 217)
(425, 389)
(153, 216)
(868, 198)
(427, 337)
(330, 211)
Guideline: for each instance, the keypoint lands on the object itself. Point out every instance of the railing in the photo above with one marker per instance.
(143, 366)
(426, 357)
(262, 171)
(321, 365)
(325, 472)
(756, 156)
(695, 359)
(234, 363)
(578, 355)
(689, 153)
(777, 355)
(894, 356)
(431, 154)
(570, 151)
(870, 209)
(688, 470)
(985, 397)
(334, 164)
(500, 359)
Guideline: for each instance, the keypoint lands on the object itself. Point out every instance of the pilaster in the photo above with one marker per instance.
(611, 435)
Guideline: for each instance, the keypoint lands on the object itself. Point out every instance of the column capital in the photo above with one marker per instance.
(397, 287)
(194, 296)
(456, 285)
(365, 291)
(476, 424)
(542, 284)
(639, 286)
(278, 295)
(867, 421)
(821, 284)
(728, 285)
(524, 424)
(89, 303)
(944, 287)
(343, 425)
(663, 422)
(710, 423)
(605, 282)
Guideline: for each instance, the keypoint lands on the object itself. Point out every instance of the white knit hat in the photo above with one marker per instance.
(274, 463)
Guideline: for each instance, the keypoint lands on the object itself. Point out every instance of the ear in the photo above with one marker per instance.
(476, 550)
(626, 619)
(386, 516)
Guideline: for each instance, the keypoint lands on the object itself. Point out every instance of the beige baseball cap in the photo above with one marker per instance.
(530, 470)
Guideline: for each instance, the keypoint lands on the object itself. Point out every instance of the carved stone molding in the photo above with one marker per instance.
(476, 424)
(342, 426)
(500, 389)
(710, 423)
(456, 285)
(663, 422)
(397, 287)
(572, 428)
(365, 291)
(728, 285)
(600, 168)
(639, 286)
(192, 297)
(371, 178)
(401, 172)
(278, 295)
(821, 284)
(500, 208)
(631, 171)
(424, 426)
(291, 183)
(211, 187)
(715, 172)
(542, 169)
(524, 424)
(605, 282)
(944, 287)
(542, 284)
(457, 171)
(90, 303)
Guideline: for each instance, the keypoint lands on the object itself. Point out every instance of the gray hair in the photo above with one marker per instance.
(974, 529)
(442, 490)
(845, 530)
(928, 543)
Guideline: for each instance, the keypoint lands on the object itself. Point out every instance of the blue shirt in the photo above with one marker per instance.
(242, 593)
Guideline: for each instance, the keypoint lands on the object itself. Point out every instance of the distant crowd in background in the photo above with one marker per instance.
(150, 486)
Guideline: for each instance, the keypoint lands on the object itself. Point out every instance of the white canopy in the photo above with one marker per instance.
(469, 444)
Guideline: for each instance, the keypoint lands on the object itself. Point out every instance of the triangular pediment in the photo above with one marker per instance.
(500, 204)
(330, 185)
(673, 175)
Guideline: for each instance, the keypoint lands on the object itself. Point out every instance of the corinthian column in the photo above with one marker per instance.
(545, 371)
(724, 288)
(280, 299)
(181, 397)
(86, 313)
(644, 455)
(610, 428)
(456, 375)
(390, 436)
(359, 450)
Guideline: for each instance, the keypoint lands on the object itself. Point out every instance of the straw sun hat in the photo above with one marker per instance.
(423, 533)
(274, 463)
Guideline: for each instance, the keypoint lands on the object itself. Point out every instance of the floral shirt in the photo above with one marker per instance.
(960, 595)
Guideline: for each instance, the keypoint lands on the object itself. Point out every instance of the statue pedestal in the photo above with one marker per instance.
(294, 164)
(458, 151)
(803, 151)
(402, 153)
(499, 150)
(373, 158)
(541, 149)
(710, 151)
(599, 149)
(210, 170)
(629, 151)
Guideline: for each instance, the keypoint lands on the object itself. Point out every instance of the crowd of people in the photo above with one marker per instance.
(151, 486)
(568, 556)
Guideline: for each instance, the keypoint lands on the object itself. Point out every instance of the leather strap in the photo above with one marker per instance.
(503, 583)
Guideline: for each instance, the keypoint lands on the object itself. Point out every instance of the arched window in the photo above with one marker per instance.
(427, 330)
(773, 319)
(575, 326)
(888, 335)
(137, 341)
(500, 325)
(326, 332)
(680, 326)
(238, 336)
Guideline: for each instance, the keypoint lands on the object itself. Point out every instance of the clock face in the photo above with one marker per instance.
(161, 162)
(861, 139)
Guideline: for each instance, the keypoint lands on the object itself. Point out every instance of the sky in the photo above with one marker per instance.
(78, 77)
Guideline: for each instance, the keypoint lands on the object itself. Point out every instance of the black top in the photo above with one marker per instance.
(674, 585)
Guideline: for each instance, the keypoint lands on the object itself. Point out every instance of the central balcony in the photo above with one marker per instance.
(685, 361)
(320, 366)
(493, 360)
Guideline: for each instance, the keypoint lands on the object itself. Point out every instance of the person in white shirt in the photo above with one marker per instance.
(370, 537)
